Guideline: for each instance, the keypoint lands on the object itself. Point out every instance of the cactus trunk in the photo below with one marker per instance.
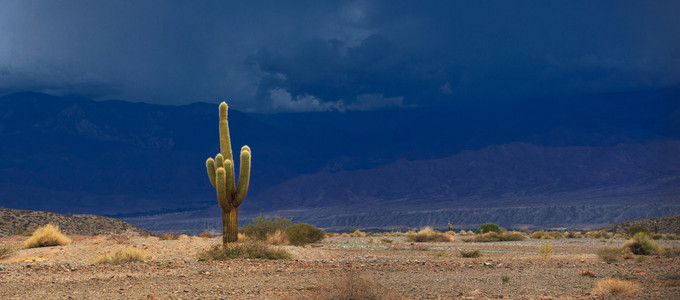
(230, 195)
(230, 226)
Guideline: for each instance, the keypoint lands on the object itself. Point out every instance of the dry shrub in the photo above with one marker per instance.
(496, 237)
(122, 256)
(46, 236)
(168, 236)
(246, 249)
(6, 251)
(573, 235)
(470, 254)
(586, 273)
(358, 233)
(616, 287)
(345, 235)
(410, 232)
(122, 238)
(609, 255)
(279, 237)
(386, 241)
(206, 235)
(540, 235)
(597, 234)
(428, 234)
(353, 286)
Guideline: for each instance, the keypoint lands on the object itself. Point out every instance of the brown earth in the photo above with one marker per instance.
(415, 271)
(13, 221)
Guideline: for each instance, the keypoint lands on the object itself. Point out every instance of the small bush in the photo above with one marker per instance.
(539, 235)
(546, 250)
(488, 227)
(597, 234)
(428, 234)
(353, 286)
(46, 236)
(503, 236)
(358, 233)
(505, 278)
(6, 251)
(616, 287)
(470, 254)
(248, 249)
(609, 255)
(301, 234)
(386, 241)
(168, 236)
(206, 235)
(123, 256)
(642, 244)
(263, 226)
(278, 238)
(634, 229)
(556, 234)
(586, 273)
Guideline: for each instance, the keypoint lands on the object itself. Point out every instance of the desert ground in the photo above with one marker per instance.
(403, 269)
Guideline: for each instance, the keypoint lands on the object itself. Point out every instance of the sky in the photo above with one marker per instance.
(277, 56)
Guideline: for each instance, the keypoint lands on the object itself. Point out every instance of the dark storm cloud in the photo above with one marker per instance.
(305, 56)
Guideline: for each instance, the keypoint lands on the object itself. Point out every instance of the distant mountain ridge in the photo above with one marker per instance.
(75, 155)
(13, 221)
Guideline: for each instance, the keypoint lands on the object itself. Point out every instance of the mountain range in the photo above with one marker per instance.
(572, 160)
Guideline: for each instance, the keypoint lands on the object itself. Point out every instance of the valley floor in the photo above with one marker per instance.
(414, 271)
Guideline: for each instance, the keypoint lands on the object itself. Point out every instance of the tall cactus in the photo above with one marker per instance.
(221, 173)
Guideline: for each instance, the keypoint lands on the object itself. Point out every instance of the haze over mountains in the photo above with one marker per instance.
(574, 160)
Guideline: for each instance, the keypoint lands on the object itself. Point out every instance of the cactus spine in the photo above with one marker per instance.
(230, 195)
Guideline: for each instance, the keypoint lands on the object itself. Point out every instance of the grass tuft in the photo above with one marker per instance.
(46, 236)
(6, 251)
(247, 249)
(206, 235)
(279, 237)
(609, 255)
(168, 236)
(616, 287)
(122, 256)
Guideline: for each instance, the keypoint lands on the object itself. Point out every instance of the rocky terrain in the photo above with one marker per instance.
(13, 221)
(414, 271)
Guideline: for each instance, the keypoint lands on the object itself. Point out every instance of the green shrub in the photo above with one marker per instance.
(642, 244)
(470, 254)
(634, 229)
(488, 227)
(505, 278)
(546, 250)
(302, 233)
(263, 226)
(248, 249)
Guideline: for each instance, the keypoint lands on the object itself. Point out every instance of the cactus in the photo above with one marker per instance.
(230, 195)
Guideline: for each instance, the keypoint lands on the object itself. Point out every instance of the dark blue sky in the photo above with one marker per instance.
(336, 55)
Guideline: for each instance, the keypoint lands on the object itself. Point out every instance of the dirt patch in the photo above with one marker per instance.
(416, 271)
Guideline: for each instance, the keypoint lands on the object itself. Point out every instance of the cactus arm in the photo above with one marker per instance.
(221, 190)
(229, 177)
(244, 177)
(225, 140)
(210, 166)
(219, 160)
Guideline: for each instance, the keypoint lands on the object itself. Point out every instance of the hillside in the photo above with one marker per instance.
(15, 220)
(669, 224)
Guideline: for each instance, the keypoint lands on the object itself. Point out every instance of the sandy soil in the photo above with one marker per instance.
(415, 271)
